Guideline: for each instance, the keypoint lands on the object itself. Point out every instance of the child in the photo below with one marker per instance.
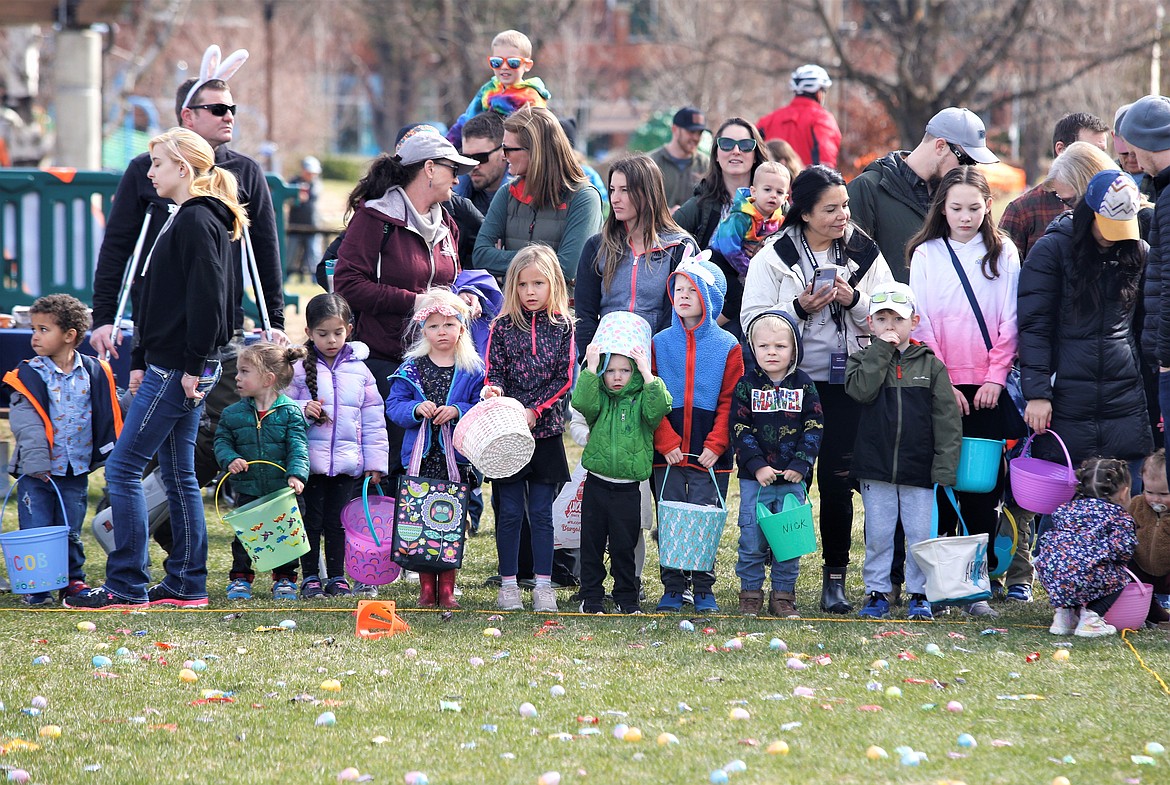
(756, 214)
(530, 358)
(776, 425)
(623, 406)
(959, 241)
(507, 90)
(1084, 552)
(346, 434)
(1151, 558)
(65, 418)
(437, 384)
(700, 363)
(263, 425)
(907, 442)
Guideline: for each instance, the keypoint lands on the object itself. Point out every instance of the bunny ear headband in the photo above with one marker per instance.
(213, 68)
(691, 264)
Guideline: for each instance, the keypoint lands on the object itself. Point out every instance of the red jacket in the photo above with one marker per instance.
(383, 264)
(809, 127)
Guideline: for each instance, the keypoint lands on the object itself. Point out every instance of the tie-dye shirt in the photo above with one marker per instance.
(71, 411)
(500, 98)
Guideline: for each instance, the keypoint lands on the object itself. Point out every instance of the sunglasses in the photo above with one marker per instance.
(963, 158)
(219, 110)
(895, 297)
(448, 165)
(513, 62)
(1071, 204)
(509, 150)
(484, 157)
(726, 144)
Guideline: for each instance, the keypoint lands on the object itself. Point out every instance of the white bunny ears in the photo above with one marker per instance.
(212, 68)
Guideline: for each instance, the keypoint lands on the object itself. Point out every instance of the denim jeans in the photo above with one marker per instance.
(540, 499)
(39, 506)
(753, 546)
(160, 420)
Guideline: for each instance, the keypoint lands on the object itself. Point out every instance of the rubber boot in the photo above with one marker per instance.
(447, 589)
(426, 590)
(833, 591)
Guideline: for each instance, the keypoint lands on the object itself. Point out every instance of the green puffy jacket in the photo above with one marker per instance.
(621, 424)
(278, 436)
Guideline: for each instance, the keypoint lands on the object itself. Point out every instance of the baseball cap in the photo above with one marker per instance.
(425, 143)
(964, 128)
(1114, 198)
(689, 119)
(892, 296)
(809, 79)
(311, 164)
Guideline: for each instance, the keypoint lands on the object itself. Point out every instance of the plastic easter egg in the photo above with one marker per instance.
(43, 659)
(50, 732)
(739, 713)
(966, 740)
(1060, 781)
(777, 645)
(199, 666)
(527, 710)
(778, 748)
(666, 739)
(549, 778)
(86, 626)
(879, 665)
(894, 692)
(557, 691)
(718, 777)
(331, 685)
(416, 778)
(492, 632)
(954, 706)
(932, 648)
(686, 626)
(410, 654)
(39, 702)
(188, 676)
(735, 644)
(348, 774)
(1060, 655)
(121, 651)
(737, 766)
(287, 624)
(874, 752)
(475, 662)
(1154, 748)
(326, 719)
(101, 661)
(796, 664)
(619, 730)
(632, 734)
(911, 759)
(20, 775)
(803, 692)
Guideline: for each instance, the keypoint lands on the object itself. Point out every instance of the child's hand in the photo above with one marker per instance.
(638, 355)
(42, 476)
(964, 407)
(987, 396)
(313, 410)
(592, 358)
(490, 391)
(890, 337)
(237, 466)
(674, 457)
(531, 417)
(792, 475)
(766, 475)
(444, 414)
(472, 303)
(296, 484)
(425, 410)
(708, 457)
(375, 476)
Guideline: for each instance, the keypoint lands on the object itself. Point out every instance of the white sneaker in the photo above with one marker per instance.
(544, 600)
(1064, 621)
(508, 599)
(1093, 626)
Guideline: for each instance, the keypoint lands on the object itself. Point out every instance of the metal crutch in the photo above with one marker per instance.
(253, 269)
(128, 281)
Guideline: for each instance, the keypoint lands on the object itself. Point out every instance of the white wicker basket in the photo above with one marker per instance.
(495, 437)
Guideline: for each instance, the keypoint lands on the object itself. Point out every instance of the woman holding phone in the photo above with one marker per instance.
(820, 269)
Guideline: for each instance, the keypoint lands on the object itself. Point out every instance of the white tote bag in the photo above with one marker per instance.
(566, 512)
(955, 567)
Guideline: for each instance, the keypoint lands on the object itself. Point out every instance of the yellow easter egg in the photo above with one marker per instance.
(1060, 655)
(331, 685)
(50, 732)
(188, 676)
(86, 626)
(1060, 781)
(633, 734)
(875, 752)
(778, 748)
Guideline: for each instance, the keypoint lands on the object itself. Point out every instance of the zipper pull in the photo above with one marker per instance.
(899, 370)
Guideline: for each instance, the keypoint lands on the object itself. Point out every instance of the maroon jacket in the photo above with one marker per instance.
(383, 264)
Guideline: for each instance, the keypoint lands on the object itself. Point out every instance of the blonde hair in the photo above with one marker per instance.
(772, 167)
(186, 147)
(514, 39)
(1156, 463)
(772, 322)
(552, 166)
(544, 259)
(782, 151)
(267, 357)
(1076, 166)
(466, 358)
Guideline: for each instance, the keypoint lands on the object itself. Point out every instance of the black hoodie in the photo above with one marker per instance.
(185, 313)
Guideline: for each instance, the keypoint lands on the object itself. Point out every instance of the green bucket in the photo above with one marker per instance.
(270, 528)
(790, 532)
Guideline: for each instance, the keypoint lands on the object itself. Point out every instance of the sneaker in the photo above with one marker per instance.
(311, 588)
(705, 602)
(1163, 600)
(981, 608)
(1019, 592)
(239, 589)
(1064, 621)
(782, 605)
(919, 608)
(630, 610)
(284, 590)
(876, 606)
(688, 597)
(99, 599)
(751, 602)
(544, 600)
(74, 588)
(593, 608)
(364, 590)
(671, 601)
(508, 598)
(338, 587)
(37, 600)
(997, 590)
(161, 595)
(1093, 626)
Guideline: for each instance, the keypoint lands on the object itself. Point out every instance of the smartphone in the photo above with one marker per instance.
(824, 276)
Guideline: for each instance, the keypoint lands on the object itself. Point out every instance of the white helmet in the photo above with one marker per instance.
(809, 79)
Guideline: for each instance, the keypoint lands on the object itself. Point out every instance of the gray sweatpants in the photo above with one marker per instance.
(884, 505)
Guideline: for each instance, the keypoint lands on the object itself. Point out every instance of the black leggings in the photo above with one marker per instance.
(842, 415)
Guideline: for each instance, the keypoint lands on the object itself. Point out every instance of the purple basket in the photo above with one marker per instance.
(1042, 486)
(369, 538)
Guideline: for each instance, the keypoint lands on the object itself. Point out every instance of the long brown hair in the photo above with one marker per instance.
(648, 195)
(712, 188)
(552, 167)
(936, 225)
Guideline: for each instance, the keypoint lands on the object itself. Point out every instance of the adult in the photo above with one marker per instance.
(550, 201)
(625, 267)
(739, 149)
(1069, 175)
(891, 196)
(1079, 364)
(680, 160)
(805, 123)
(1028, 215)
(483, 140)
(184, 321)
(817, 234)
(304, 247)
(1127, 159)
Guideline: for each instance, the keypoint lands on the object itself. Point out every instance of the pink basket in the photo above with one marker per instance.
(369, 538)
(1042, 486)
(495, 437)
(1129, 611)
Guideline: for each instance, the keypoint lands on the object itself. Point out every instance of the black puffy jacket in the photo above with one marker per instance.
(1087, 365)
(1156, 319)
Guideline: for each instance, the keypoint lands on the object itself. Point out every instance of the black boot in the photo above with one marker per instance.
(833, 591)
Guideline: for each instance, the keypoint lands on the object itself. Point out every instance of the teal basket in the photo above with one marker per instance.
(979, 462)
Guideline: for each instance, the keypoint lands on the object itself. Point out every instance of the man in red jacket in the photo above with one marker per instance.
(805, 123)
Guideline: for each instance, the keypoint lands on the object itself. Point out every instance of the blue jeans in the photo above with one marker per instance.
(540, 501)
(753, 546)
(39, 506)
(161, 420)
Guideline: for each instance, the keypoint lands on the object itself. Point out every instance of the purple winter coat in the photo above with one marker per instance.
(354, 441)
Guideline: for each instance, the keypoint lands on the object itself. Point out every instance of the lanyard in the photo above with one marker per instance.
(835, 310)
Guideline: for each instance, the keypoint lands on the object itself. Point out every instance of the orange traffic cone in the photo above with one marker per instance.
(379, 619)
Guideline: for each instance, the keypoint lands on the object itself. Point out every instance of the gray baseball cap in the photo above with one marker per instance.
(425, 143)
(963, 128)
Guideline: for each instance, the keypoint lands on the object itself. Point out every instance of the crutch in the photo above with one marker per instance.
(249, 259)
(127, 282)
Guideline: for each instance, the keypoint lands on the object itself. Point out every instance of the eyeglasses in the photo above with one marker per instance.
(509, 150)
(219, 110)
(894, 297)
(513, 62)
(448, 165)
(961, 155)
(1070, 203)
(727, 144)
(484, 157)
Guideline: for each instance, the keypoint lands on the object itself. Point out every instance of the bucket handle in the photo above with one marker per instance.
(1027, 450)
(366, 507)
(711, 471)
(961, 529)
(61, 501)
(229, 474)
(803, 487)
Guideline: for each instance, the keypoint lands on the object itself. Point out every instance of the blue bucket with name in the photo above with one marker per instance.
(979, 461)
(37, 560)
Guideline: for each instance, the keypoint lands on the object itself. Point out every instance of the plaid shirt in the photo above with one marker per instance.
(1028, 215)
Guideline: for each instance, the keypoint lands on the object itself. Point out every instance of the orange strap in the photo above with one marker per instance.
(12, 378)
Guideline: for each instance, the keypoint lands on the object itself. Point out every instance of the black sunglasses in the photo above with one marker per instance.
(448, 165)
(510, 150)
(219, 110)
(961, 155)
(484, 157)
(727, 144)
